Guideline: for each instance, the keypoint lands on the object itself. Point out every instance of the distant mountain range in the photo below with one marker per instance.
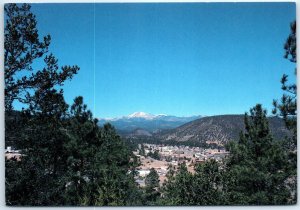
(149, 123)
(217, 129)
(214, 129)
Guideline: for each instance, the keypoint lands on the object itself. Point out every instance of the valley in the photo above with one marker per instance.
(162, 142)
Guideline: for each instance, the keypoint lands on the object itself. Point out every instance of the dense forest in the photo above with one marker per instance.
(67, 159)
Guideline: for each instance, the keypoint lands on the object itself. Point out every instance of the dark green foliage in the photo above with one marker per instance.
(290, 45)
(131, 145)
(287, 108)
(155, 155)
(43, 157)
(258, 170)
(154, 140)
(22, 47)
(151, 180)
(13, 123)
(40, 136)
(82, 132)
(66, 158)
(69, 160)
(201, 188)
(151, 189)
(111, 164)
(178, 189)
(207, 183)
(142, 150)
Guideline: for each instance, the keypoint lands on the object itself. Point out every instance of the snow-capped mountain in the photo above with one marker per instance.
(146, 121)
(141, 115)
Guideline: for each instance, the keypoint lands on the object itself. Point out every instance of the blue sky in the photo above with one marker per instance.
(179, 59)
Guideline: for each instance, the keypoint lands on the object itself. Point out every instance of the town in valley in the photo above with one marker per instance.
(163, 157)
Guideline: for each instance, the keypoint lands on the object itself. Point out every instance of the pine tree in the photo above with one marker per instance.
(178, 189)
(258, 170)
(22, 46)
(287, 108)
(152, 186)
(201, 188)
(110, 172)
(155, 155)
(82, 131)
(142, 150)
(207, 182)
(168, 188)
(66, 158)
(43, 157)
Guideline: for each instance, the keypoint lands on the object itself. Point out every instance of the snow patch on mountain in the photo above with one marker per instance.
(141, 115)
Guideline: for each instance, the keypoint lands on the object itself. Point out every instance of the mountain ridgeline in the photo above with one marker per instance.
(138, 121)
(200, 130)
(218, 129)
